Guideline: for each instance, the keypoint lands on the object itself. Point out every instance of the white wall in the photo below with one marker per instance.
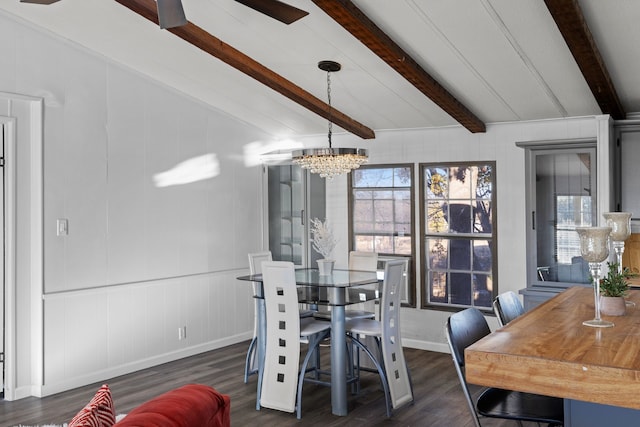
(139, 261)
(423, 328)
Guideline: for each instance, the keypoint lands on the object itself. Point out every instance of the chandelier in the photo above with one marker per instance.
(329, 162)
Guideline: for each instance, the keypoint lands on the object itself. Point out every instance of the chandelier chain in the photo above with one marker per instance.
(329, 103)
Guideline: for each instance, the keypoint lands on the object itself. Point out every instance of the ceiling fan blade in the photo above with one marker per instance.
(171, 14)
(39, 1)
(276, 9)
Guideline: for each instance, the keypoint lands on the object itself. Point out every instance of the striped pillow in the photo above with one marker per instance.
(99, 412)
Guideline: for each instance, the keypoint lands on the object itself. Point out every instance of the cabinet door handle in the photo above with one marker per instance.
(533, 220)
(302, 216)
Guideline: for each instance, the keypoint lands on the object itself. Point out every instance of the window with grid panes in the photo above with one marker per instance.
(459, 244)
(381, 214)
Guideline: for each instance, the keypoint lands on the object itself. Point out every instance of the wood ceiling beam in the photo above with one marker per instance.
(200, 38)
(576, 33)
(345, 13)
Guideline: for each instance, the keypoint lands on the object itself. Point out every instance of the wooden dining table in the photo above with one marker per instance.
(549, 351)
(336, 290)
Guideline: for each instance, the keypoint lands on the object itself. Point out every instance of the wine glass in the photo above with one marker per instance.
(594, 248)
(620, 223)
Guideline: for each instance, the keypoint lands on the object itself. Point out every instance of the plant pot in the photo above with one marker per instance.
(325, 266)
(613, 306)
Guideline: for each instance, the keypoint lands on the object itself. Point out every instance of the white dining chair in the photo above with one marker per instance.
(283, 376)
(255, 267)
(363, 261)
(387, 354)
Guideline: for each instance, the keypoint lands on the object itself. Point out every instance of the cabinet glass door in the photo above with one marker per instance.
(286, 213)
(294, 196)
(564, 197)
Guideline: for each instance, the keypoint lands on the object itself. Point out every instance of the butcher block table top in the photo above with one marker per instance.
(548, 351)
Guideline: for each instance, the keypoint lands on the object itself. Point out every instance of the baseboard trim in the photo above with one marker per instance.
(137, 365)
(426, 345)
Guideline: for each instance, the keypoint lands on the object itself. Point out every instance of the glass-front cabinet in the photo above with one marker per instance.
(562, 195)
(294, 197)
(565, 199)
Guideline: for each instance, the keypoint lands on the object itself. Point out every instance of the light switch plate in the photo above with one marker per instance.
(62, 227)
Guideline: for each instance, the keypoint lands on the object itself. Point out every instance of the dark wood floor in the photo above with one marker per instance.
(438, 397)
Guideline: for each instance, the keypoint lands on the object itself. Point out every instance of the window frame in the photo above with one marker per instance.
(425, 303)
(410, 300)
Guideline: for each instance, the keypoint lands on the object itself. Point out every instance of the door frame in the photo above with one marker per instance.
(8, 278)
(24, 357)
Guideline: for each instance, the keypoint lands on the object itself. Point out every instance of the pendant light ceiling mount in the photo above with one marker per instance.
(329, 162)
(329, 66)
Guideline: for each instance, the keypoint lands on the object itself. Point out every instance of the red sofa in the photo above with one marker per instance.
(188, 406)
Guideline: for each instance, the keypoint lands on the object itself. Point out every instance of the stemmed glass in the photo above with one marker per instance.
(620, 223)
(594, 248)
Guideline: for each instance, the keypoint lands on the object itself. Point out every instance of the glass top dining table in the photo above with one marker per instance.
(340, 288)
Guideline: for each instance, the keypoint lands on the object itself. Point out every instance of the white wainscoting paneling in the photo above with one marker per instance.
(99, 333)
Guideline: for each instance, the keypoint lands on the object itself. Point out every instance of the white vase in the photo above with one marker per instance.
(325, 266)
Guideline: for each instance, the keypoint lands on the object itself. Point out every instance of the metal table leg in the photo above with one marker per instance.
(261, 345)
(338, 358)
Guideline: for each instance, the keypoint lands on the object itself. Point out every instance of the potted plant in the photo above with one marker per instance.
(323, 242)
(613, 288)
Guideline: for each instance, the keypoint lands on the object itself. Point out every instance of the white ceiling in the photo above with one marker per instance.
(504, 59)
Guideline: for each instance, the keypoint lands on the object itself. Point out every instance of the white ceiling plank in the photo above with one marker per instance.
(504, 59)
